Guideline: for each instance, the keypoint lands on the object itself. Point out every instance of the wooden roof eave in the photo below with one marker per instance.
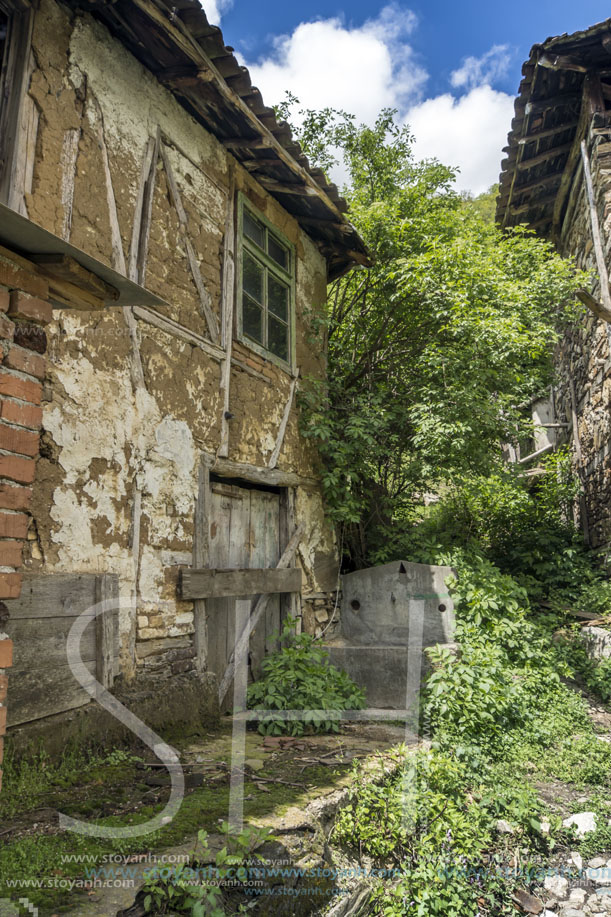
(574, 62)
(224, 101)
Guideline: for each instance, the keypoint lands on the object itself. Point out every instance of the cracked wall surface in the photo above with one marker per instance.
(118, 474)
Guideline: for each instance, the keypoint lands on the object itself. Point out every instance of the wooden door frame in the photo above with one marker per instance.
(286, 485)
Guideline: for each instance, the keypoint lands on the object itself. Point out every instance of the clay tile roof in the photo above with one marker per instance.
(175, 41)
(552, 115)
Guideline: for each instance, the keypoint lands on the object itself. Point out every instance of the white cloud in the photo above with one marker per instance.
(214, 9)
(365, 68)
(484, 70)
(468, 132)
(359, 69)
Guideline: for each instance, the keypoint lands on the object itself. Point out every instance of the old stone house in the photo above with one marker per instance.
(556, 178)
(165, 244)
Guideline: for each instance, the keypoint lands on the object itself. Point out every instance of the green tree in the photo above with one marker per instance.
(431, 349)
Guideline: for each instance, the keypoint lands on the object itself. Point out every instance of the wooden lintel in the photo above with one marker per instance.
(65, 268)
(270, 477)
(213, 584)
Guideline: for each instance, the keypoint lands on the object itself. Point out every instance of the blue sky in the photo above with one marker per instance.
(451, 68)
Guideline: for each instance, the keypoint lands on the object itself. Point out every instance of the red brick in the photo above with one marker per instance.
(6, 651)
(7, 328)
(32, 308)
(4, 300)
(10, 586)
(1, 758)
(17, 469)
(18, 277)
(10, 555)
(13, 525)
(26, 415)
(20, 388)
(15, 497)
(26, 362)
(3, 691)
(15, 439)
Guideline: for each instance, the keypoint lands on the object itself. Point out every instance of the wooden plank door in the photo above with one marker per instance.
(244, 532)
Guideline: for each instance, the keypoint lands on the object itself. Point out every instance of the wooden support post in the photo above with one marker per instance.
(204, 296)
(118, 255)
(148, 163)
(227, 307)
(579, 456)
(241, 647)
(198, 583)
(107, 590)
(201, 545)
(273, 460)
(595, 228)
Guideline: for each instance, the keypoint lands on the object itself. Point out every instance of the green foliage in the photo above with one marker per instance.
(185, 890)
(431, 349)
(499, 709)
(298, 677)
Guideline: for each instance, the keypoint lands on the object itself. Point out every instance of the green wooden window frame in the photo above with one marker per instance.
(266, 287)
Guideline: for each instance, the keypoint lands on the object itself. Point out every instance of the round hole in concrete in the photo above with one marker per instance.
(355, 604)
(442, 608)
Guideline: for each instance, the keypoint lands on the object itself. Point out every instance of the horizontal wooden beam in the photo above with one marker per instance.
(543, 182)
(547, 132)
(543, 105)
(269, 477)
(537, 202)
(248, 143)
(279, 187)
(216, 584)
(543, 157)
(64, 268)
(561, 62)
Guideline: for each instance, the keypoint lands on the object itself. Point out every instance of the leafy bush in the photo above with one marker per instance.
(298, 677)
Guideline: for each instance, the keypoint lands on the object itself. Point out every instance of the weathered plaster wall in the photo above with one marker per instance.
(108, 449)
(584, 355)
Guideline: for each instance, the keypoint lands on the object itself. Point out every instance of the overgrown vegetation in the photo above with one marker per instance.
(433, 348)
(298, 677)
(502, 713)
(433, 353)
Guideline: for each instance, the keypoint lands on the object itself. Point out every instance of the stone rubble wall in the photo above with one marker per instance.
(584, 354)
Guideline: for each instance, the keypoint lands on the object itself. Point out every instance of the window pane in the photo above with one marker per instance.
(252, 278)
(278, 298)
(252, 319)
(278, 338)
(253, 229)
(277, 251)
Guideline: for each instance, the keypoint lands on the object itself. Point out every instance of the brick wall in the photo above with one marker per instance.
(24, 311)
